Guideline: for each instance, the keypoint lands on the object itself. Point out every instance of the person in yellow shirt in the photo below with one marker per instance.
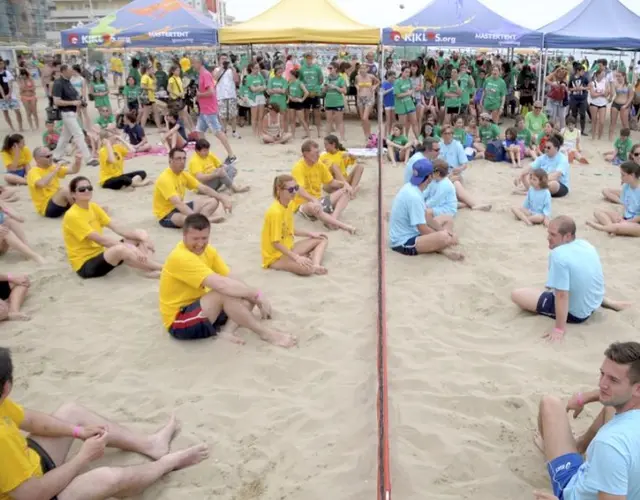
(311, 176)
(117, 69)
(91, 253)
(17, 159)
(278, 246)
(210, 171)
(339, 160)
(198, 295)
(148, 97)
(40, 465)
(49, 199)
(112, 155)
(169, 190)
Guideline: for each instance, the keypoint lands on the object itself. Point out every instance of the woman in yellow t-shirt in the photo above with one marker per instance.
(279, 251)
(148, 97)
(117, 69)
(17, 159)
(338, 160)
(111, 156)
(176, 97)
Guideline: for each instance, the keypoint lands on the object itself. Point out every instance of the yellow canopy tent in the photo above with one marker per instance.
(294, 21)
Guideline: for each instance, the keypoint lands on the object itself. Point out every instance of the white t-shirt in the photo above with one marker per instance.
(226, 88)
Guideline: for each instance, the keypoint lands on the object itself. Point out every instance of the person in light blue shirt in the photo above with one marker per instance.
(610, 469)
(440, 196)
(536, 208)
(575, 283)
(556, 165)
(411, 231)
(429, 148)
(627, 223)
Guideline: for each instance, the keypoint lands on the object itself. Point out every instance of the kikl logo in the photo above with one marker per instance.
(73, 39)
(395, 36)
(422, 36)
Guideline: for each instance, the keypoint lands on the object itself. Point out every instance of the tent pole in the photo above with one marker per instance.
(544, 76)
(539, 89)
(381, 131)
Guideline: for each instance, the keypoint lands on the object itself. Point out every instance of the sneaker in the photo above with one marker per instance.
(230, 160)
(235, 135)
(584, 134)
(93, 163)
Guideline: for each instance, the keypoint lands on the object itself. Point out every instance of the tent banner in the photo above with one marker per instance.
(82, 39)
(409, 35)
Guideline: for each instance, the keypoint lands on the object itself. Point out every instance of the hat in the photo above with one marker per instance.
(421, 170)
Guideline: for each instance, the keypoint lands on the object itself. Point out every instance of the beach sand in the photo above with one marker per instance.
(466, 368)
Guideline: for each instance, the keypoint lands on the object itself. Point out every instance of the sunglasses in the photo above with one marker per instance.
(537, 107)
(636, 154)
(435, 150)
(82, 189)
(293, 189)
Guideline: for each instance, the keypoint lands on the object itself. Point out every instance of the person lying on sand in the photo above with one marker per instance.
(13, 292)
(12, 235)
(208, 169)
(627, 223)
(311, 175)
(610, 470)
(279, 250)
(191, 312)
(40, 465)
(412, 230)
(91, 253)
(168, 195)
(575, 284)
(49, 199)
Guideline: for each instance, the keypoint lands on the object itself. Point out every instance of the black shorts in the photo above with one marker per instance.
(46, 462)
(95, 267)
(561, 192)
(124, 180)
(598, 106)
(166, 220)
(312, 102)
(547, 307)
(191, 324)
(337, 108)
(297, 106)
(5, 290)
(617, 105)
(526, 100)
(407, 248)
(454, 110)
(55, 211)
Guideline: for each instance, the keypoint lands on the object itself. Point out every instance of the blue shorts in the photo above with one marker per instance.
(191, 323)
(561, 471)
(21, 172)
(166, 220)
(407, 248)
(208, 122)
(547, 307)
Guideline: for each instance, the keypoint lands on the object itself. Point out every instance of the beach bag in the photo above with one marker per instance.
(372, 142)
(495, 151)
(53, 114)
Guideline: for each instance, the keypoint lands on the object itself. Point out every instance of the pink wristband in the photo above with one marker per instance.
(77, 430)
(258, 296)
(558, 330)
(580, 399)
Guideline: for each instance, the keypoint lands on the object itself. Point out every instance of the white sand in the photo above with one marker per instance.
(466, 368)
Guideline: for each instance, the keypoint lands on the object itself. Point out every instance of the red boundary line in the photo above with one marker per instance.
(384, 474)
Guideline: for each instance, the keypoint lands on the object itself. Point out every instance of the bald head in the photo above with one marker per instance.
(565, 225)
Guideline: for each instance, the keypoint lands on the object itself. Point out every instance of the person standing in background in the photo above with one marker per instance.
(117, 69)
(312, 78)
(227, 80)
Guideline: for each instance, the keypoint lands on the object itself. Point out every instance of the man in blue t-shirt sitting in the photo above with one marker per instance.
(611, 468)
(575, 283)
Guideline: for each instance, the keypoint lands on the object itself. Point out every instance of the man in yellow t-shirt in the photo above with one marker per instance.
(169, 190)
(117, 69)
(93, 254)
(46, 451)
(210, 171)
(311, 176)
(111, 156)
(49, 199)
(198, 295)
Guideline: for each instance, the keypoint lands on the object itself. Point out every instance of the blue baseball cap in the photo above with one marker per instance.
(421, 170)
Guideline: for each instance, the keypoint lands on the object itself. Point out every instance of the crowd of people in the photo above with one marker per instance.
(441, 113)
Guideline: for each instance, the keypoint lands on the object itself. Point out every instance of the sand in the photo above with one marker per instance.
(466, 368)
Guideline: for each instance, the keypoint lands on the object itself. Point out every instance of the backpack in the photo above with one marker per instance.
(495, 151)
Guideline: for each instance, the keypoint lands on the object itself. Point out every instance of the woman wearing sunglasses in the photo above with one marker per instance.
(93, 254)
(279, 250)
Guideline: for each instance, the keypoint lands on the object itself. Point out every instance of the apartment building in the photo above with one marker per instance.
(23, 21)
(65, 14)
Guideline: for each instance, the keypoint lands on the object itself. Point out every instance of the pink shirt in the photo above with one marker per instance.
(288, 68)
(208, 105)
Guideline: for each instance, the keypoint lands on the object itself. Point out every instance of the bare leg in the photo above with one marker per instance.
(616, 305)
(15, 180)
(222, 137)
(16, 299)
(612, 195)
(310, 247)
(520, 214)
(122, 253)
(612, 123)
(355, 176)
(208, 208)
(17, 244)
(464, 197)
(555, 432)
(339, 200)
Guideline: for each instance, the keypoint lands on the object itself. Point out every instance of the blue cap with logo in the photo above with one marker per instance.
(421, 170)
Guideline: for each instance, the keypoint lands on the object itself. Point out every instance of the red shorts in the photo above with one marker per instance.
(191, 323)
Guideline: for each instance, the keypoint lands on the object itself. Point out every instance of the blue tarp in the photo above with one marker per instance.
(145, 23)
(594, 24)
(460, 23)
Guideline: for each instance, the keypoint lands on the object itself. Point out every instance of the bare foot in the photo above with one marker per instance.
(39, 260)
(231, 337)
(241, 189)
(452, 255)
(351, 230)
(160, 441)
(154, 275)
(486, 207)
(320, 270)
(186, 458)
(281, 339)
(18, 316)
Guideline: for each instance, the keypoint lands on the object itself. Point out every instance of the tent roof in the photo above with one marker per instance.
(595, 24)
(462, 23)
(293, 21)
(145, 23)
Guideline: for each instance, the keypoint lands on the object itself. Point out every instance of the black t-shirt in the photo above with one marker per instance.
(62, 89)
(576, 81)
(135, 133)
(5, 77)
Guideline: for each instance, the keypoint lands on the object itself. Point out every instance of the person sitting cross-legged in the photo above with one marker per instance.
(40, 466)
(168, 195)
(91, 253)
(208, 169)
(198, 294)
(112, 157)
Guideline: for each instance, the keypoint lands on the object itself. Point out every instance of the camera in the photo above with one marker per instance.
(225, 65)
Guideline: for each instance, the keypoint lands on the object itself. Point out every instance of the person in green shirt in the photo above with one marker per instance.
(622, 147)
(452, 96)
(100, 90)
(298, 93)
(134, 71)
(162, 78)
(398, 145)
(487, 130)
(335, 88)
(459, 132)
(494, 94)
(312, 77)
(131, 93)
(535, 120)
(467, 84)
(256, 86)
(524, 135)
(404, 104)
(277, 90)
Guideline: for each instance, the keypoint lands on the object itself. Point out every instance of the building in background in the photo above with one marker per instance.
(23, 22)
(65, 14)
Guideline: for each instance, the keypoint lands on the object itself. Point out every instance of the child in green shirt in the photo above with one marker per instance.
(398, 145)
(51, 136)
(622, 148)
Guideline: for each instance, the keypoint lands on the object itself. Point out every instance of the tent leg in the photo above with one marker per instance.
(544, 75)
(380, 108)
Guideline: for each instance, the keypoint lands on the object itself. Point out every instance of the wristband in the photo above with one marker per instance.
(9, 277)
(258, 296)
(559, 330)
(580, 399)
(77, 430)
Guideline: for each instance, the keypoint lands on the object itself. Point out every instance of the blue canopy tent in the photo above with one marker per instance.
(145, 23)
(595, 24)
(460, 23)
